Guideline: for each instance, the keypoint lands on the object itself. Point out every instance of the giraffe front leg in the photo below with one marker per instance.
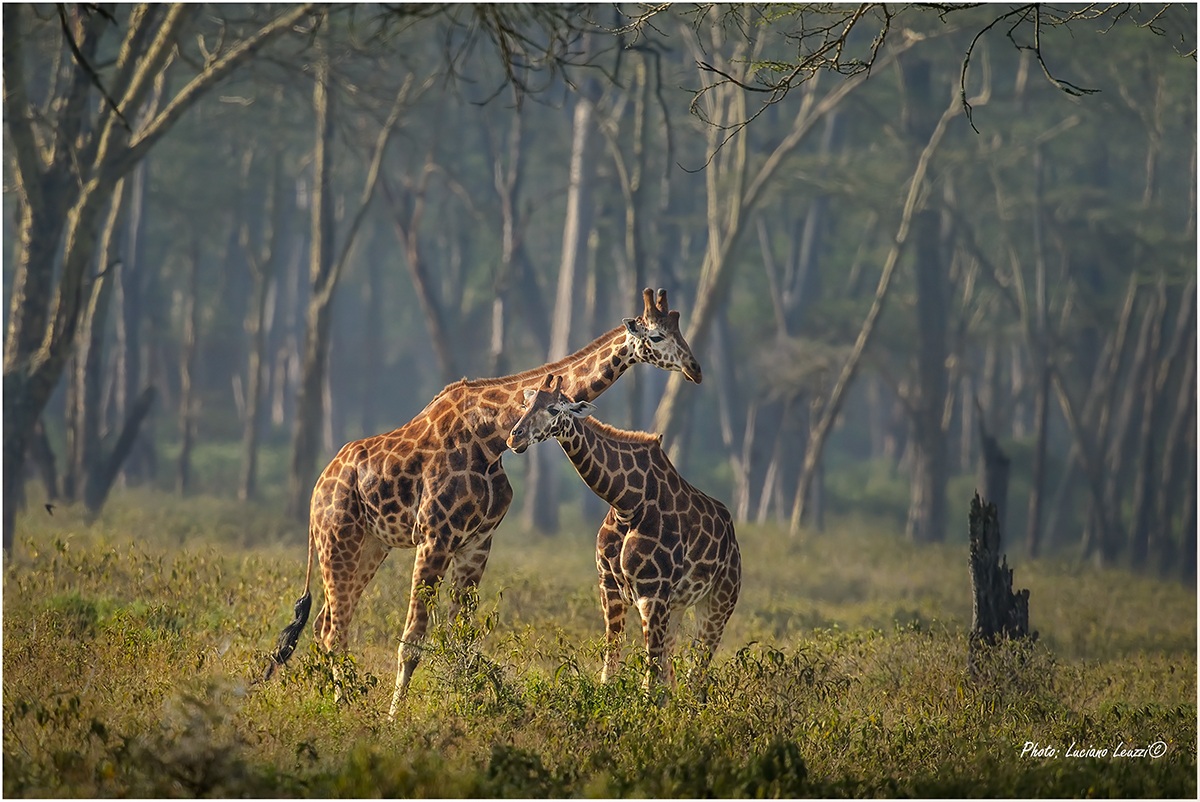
(656, 615)
(612, 603)
(615, 611)
(428, 570)
(673, 619)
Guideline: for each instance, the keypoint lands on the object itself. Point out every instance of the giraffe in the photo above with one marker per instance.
(664, 546)
(437, 485)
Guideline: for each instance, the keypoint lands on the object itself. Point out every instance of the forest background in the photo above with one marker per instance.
(1008, 202)
(918, 251)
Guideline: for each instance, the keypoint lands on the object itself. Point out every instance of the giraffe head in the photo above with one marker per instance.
(655, 338)
(548, 414)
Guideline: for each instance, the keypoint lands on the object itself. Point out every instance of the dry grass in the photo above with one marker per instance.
(128, 645)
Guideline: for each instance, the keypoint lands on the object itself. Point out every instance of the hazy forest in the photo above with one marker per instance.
(918, 251)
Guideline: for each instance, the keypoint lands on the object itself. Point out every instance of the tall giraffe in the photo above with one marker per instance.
(664, 546)
(437, 485)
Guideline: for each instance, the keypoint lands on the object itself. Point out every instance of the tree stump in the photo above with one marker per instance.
(996, 613)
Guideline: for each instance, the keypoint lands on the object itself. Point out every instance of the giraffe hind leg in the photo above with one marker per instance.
(347, 567)
(712, 614)
(428, 570)
(465, 573)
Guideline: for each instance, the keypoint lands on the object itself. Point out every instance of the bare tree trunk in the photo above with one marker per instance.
(41, 455)
(542, 492)
(101, 478)
(832, 405)
(927, 504)
(130, 294)
(94, 146)
(263, 259)
(506, 179)
(187, 365)
(1096, 411)
(372, 300)
(325, 270)
(1140, 534)
(1110, 539)
(1103, 521)
(733, 193)
(92, 464)
(995, 464)
(306, 429)
(1039, 353)
(406, 217)
(1178, 461)
(926, 520)
(1187, 555)
(728, 412)
(516, 283)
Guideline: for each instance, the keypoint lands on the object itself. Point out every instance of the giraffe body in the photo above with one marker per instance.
(437, 485)
(664, 545)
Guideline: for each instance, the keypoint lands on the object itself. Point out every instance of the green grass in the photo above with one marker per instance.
(130, 643)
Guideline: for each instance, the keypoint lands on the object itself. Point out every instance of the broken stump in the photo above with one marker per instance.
(997, 614)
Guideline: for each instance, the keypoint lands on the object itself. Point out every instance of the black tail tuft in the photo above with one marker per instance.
(290, 635)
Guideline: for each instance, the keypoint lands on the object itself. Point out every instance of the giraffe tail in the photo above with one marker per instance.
(291, 633)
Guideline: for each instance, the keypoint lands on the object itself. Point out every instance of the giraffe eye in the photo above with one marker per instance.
(655, 337)
(554, 409)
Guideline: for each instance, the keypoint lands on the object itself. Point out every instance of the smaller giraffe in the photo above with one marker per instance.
(664, 546)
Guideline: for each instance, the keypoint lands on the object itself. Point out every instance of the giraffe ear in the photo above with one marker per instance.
(581, 409)
(632, 326)
(530, 394)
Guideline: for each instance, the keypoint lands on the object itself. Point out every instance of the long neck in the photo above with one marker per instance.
(493, 406)
(617, 470)
(594, 368)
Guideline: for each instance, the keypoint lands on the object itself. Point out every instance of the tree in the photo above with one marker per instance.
(263, 257)
(541, 496)
(734, 188)
(831, 406)
(72, 141)
(326, 266)
(849, 40)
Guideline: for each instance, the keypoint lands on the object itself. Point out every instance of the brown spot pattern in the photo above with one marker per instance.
(437, 484)
(664, 545)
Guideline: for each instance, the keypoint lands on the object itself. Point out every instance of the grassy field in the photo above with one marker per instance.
(129, 645)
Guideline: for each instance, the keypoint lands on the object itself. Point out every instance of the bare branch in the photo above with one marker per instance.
(86, 65)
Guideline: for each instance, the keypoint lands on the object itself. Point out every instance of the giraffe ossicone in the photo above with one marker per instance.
(664, 545)
(437, 485)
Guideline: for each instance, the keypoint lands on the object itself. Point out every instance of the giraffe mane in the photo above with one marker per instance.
(623, 435)
(557, 367)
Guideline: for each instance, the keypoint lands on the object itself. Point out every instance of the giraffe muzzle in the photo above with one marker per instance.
(517, 444)
(692, 373)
